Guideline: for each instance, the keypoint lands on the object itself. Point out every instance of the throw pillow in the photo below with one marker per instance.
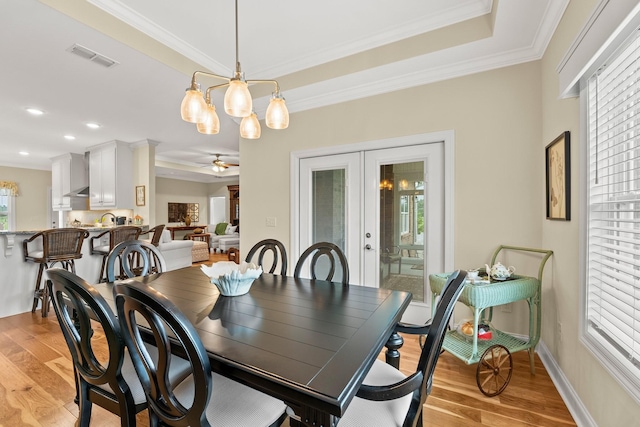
(166, 236)
(231, 229)
(221, 228)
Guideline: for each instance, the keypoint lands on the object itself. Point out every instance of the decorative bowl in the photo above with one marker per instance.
(232, 279)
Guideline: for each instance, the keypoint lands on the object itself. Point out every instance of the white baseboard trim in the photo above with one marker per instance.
(575, 406)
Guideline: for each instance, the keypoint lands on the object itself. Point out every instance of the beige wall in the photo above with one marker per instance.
(607, 402)
(32, 204)
(496, 119)
(502, 120)
(178, 191)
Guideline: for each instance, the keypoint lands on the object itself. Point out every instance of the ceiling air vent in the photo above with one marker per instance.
(91, 55)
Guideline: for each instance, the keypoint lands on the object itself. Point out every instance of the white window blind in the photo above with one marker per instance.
(613, 270)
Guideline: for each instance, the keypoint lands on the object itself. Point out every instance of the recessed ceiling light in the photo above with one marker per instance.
(23, 153)
(69, 137)
(93, 125)
(35, 111)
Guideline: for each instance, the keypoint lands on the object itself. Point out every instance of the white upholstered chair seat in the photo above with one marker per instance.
(180, 369)
(234, 404)
(37, 254)
(389, 413)
(102, 248)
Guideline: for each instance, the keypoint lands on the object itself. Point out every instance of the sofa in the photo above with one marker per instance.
(221, 231)
(176, 253)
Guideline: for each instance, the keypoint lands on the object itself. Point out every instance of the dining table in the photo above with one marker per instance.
(307, 342)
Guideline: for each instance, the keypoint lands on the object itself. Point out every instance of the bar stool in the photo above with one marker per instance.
(154, 233)
(63, 245)
(116, 235)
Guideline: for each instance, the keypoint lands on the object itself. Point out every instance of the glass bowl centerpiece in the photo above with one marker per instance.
(232, 279)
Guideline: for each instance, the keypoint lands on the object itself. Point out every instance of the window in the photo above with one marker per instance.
(404, 214)
(612, 305)
(7, 211)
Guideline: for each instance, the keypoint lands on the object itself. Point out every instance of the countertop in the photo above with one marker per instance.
(145, 228)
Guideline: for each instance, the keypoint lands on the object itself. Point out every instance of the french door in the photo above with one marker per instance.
(330, 192)
(385, 209)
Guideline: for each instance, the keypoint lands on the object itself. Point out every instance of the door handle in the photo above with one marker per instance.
(367, 247)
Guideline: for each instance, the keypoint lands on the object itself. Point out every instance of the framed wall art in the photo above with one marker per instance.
(140, 196)
(178, 212)
(558, 175)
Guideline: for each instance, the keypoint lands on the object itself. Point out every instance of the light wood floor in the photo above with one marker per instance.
(37, 389)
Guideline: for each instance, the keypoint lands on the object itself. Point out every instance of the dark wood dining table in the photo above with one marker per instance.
(307, 342)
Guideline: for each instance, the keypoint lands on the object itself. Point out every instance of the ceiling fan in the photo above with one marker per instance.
(219, 166)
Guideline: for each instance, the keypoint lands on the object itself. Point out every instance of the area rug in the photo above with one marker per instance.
(405, 282)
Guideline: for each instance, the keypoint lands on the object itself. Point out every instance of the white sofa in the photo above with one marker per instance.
(214, 239)
(176, 253)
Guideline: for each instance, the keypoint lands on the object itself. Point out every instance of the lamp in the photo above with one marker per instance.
(250, 127)
(386, 184)
(217, 168)
(237, 103)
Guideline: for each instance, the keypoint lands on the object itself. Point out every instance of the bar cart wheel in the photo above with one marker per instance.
(494, 370)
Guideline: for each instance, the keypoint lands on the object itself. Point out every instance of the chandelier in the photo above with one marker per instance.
(237, 103)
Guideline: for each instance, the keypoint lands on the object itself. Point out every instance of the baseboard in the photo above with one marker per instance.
(575, 406)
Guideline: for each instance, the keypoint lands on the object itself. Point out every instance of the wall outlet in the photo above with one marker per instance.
(559, 331)
(271, 221)
(506, 308)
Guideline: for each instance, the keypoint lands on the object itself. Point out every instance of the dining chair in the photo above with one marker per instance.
(115, 235)
(134, 258)
(278, 254)
(205, 396)
(324, 251)
(109, 381)
(58, 245)
(389, 398)
(157, 233)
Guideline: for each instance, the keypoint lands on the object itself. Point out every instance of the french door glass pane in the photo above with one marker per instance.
(329, 213)
(402, 228)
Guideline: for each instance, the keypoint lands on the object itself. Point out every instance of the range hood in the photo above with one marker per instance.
(80, 192)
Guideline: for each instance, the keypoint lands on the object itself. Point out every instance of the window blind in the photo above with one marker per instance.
(613, 274)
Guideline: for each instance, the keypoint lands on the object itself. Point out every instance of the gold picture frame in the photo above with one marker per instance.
(179, 211)
(140, 196)
(558, 175)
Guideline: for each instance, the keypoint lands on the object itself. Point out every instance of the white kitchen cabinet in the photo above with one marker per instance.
(68, 173)
(111, 176)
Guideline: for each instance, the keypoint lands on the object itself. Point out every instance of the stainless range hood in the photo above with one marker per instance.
(80, 192)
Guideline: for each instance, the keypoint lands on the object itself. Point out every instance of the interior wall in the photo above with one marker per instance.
(32, 203)
(607, 402)
(496, 118)
(178, 191)
(144, 173)
(219, 189)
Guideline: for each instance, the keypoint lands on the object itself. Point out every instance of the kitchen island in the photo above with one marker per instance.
(18, 278)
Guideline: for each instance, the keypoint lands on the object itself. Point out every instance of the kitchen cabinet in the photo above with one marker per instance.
(111, 176)
(68, 173)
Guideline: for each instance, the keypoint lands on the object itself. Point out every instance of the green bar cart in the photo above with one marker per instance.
(494, 356)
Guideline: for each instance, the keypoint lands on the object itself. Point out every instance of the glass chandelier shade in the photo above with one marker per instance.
(277, 116)
(237, 99)
(211, 123)
(217, 168)
(250, 127)
(193, 106)
(197, 109)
